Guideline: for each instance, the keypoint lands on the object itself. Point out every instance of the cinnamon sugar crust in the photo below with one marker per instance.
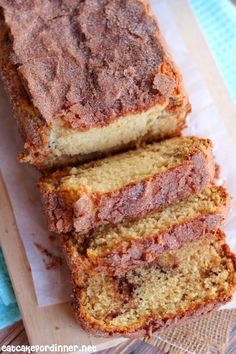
(76, 95)
(79, 82)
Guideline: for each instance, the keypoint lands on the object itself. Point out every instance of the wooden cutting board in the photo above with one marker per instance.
(55, 324)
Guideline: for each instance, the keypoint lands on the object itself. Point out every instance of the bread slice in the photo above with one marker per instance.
(127, 185)
(114, 249)
(75, 94)
(186, 283)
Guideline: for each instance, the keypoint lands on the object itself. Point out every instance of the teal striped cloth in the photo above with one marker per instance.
(9, 312)
(217, 19)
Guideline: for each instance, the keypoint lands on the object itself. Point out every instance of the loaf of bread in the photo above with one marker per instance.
(186, 283)
(139, 229)
(127, 185)
(114, 249)
(86, 78)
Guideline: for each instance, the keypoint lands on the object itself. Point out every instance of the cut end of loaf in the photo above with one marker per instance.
(199, 276)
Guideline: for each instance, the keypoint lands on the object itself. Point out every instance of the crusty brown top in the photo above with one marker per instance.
(89, 61)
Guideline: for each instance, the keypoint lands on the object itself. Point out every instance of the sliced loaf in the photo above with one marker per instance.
(113, 249)
(127, 185)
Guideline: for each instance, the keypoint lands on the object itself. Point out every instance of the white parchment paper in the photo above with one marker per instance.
(52, 286)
